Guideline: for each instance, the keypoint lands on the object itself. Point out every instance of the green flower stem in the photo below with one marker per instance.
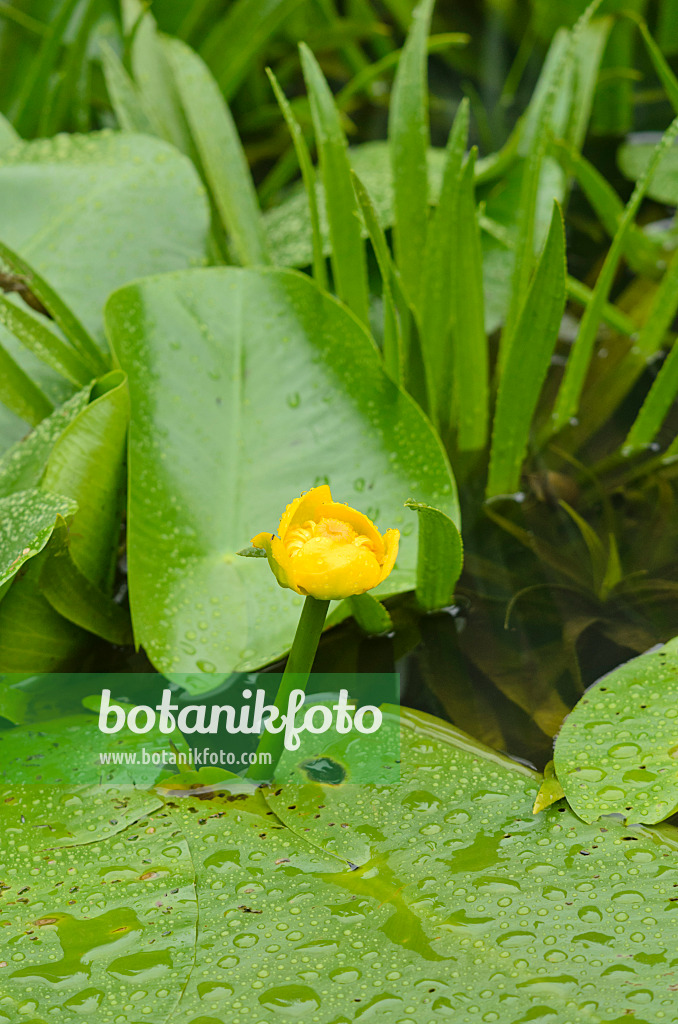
(295, 677)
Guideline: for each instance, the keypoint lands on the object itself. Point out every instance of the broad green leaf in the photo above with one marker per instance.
(227, 428)
(220, 150)
(616, 751)
(22, 466)
(635, 160)
(55, 773)
(92, 212)
(527, 364)
(575, 373)
(349, 265)
(121, 922)
(27, 520)
(408, 132)
(440, 557)
(420, 897)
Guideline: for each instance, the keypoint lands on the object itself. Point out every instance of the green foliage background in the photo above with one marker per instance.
(425, 256)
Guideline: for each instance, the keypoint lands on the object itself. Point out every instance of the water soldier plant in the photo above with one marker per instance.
(251, 249)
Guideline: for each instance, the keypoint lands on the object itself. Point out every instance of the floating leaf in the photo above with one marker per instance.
(418, 897)
(617, 752)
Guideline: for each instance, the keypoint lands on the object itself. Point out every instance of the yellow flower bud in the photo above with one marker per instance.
(327, 550)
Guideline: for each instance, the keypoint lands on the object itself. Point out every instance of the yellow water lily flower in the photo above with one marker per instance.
(327, 550)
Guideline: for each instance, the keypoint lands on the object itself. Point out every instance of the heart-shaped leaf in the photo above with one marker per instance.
(438, 897)
(249, 387)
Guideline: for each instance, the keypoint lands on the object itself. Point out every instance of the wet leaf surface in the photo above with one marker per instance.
(617, 752)
(223, 425)
(27, 521)
(92, 212)
(439, 897)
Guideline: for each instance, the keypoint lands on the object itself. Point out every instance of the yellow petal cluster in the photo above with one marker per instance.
(327, 550)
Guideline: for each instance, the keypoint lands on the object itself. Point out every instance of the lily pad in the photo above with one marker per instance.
(462, 905)
(617, 752)
(98, 925)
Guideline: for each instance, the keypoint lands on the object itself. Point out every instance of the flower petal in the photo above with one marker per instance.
(280, 562)
(278, 559)
(304, 508)
(391, 544)
(360, 523)
(330, 572)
